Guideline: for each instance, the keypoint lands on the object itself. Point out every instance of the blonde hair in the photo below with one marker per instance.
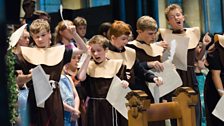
(146, 22)
(99, 39)
(172, 7)
(39, 25)
(79, 21)
(119, 28)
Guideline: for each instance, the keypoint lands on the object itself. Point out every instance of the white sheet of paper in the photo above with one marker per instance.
(156, 94)
(42, 87)
(173, 45)
(219, 109)
(116, 96)
(180, 56)
(171, 81)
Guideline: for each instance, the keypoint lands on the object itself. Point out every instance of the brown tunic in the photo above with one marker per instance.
(188, 77)
(52, 113)
(97, 84)
(145, 55)
(138, 75)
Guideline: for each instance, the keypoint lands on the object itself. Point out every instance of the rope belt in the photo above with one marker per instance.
(114, 112)
(97, 98)
(53, 83)
(190, 66)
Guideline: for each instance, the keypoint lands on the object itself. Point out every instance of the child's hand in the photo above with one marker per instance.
(158, 80)
(89, 50)
(124, 83)
(72, 28)
(30, 71)
(206, 39)
(158, 66)
(75, 115)
(164, 44)
(22, 78)
(19, 72)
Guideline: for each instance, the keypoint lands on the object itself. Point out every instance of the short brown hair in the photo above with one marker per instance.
(172, 7)
(146, 22)
(99, 39)
(119, 28)
(79, 21)
(39, 25)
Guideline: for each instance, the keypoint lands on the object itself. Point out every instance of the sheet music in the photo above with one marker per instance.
(171, 80)
(156, 94)
(116, 96)
(42, 87)
(173, 45)
(219, 109)
(180, 56)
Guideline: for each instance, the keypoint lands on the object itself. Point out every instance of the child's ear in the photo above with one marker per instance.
(106, 50)
(112, 37)
(60, 32)
(139, 31)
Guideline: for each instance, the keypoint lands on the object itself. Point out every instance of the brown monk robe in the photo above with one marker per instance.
(52, 113)
(99, 77)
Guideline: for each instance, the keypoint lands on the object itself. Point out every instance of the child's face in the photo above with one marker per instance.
(148, 36)
(24, 39)
(120, 41)
(201, 64)
(42, 39)
(81, 30)
(74, 62)
(98, 53)
(66, 33)
(176, 19)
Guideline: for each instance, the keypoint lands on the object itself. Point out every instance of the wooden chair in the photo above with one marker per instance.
(181, 108)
